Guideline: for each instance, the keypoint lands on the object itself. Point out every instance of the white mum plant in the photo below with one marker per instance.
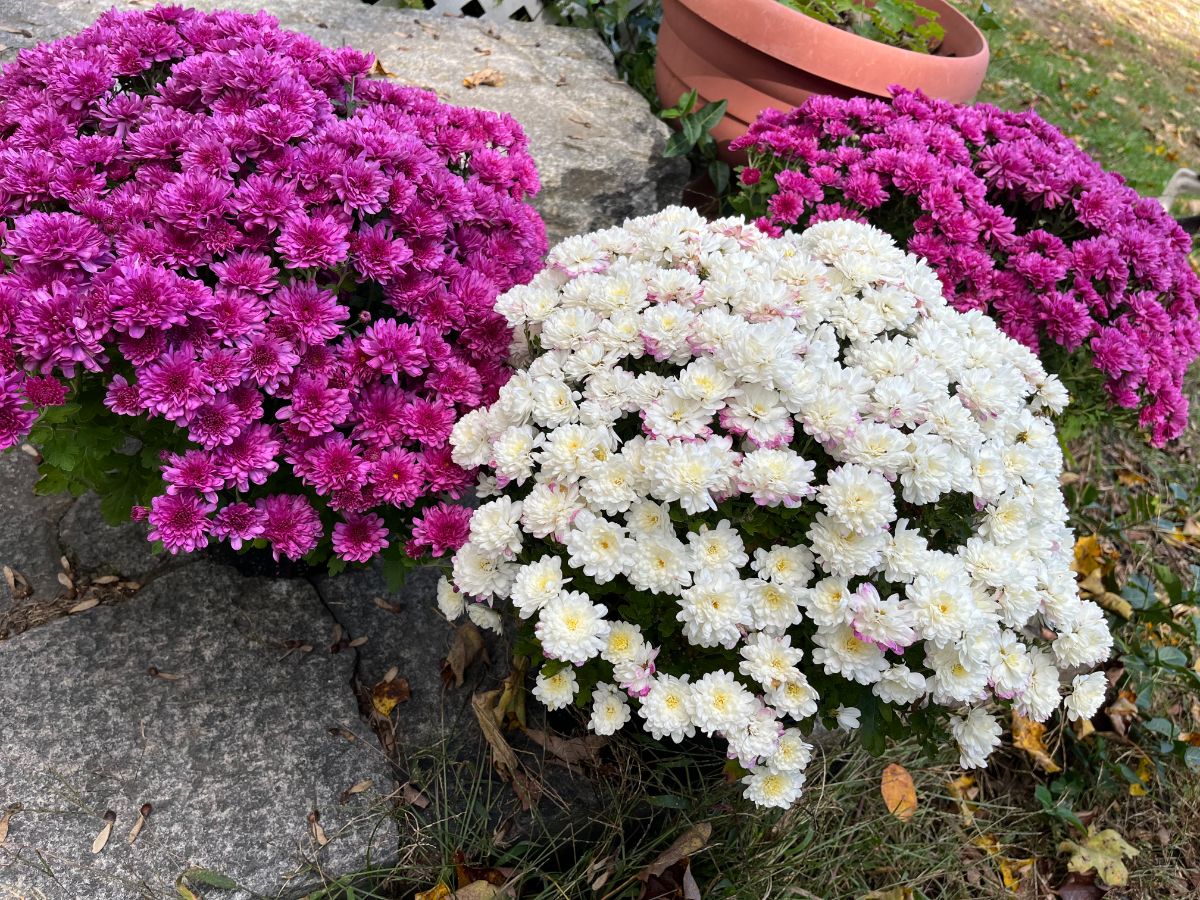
(742, 483)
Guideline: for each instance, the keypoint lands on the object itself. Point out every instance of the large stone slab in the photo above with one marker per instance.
(234, 742)
(597, 145)
(28, 533)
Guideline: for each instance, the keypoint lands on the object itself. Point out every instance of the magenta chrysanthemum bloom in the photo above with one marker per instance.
(239, 523)
(261, 259)
(359, 538)
(46, 391)
(441, 528)
(1017, 221)
(16, 418)
(180, 521)
(291, 525)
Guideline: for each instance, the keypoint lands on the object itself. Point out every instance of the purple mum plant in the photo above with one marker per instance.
(1016, 220)
(247, 289)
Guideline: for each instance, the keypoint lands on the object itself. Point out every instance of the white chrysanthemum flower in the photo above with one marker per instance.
(900, 686)
(795, 698)
(793, 753)
(624, 644)
(717, 549)
(558, 690)
(756, 739)
(691, 473)
(495, 527)
(597, 547)
(769, 660)
(659, 563)
(470, 439)
(884, 622)
(790, 567)
(512, 452)
(1042, 693)
(842, 551)
(1087, 693)
(717, 702)
(666, 708)
(829, 602)
(849, 718)
(450, 602)
(770, 787)
(956, 677)
(977, 734)
(610, 710)
(773, 607)
(484, 617)
(549, 508)
(536, 584)
(904, 553)
(480, 574)
(647, 517)
(841, 652)
(1086, 641)
(611, 486)
(571, 627)
(714, 610)
(774, 477)
(858, 498)
(1011, 666)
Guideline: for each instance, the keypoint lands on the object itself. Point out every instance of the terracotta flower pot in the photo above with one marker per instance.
(760, 53)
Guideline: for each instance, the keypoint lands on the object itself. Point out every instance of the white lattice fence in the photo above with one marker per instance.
(501, 10)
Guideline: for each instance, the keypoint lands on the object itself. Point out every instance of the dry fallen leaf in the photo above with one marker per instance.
(899, 792)
(378, 71)
(1129, 478)
(110, 819)
(413, 796)
(84, 605)
(1029, 736)
(476, 890)
(358, 641)
(1089, 555)
(687, 844)
(503, 757)
(488, 77)
(356, 788)
(466, 647)
(6, 819)
(569, 750)
(1102, 851)
(387, 694)
(963, 791)
(315, 829)
(385, 606)
(439, 891)
(1121, 711)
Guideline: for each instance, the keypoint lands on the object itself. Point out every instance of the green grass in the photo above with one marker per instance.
(1130, 101)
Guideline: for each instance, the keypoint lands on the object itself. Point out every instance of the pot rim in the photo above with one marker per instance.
(800, 40)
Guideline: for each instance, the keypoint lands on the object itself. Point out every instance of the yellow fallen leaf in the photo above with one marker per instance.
(1144, 772)
(963, 790)
(1102, 851)
(1089, 555)
(899, 792)
(1115, 603)
(1012, 871)
(439, 891)
(476, 890)
(386, 695)
(1129, 478)
(1029, 736)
